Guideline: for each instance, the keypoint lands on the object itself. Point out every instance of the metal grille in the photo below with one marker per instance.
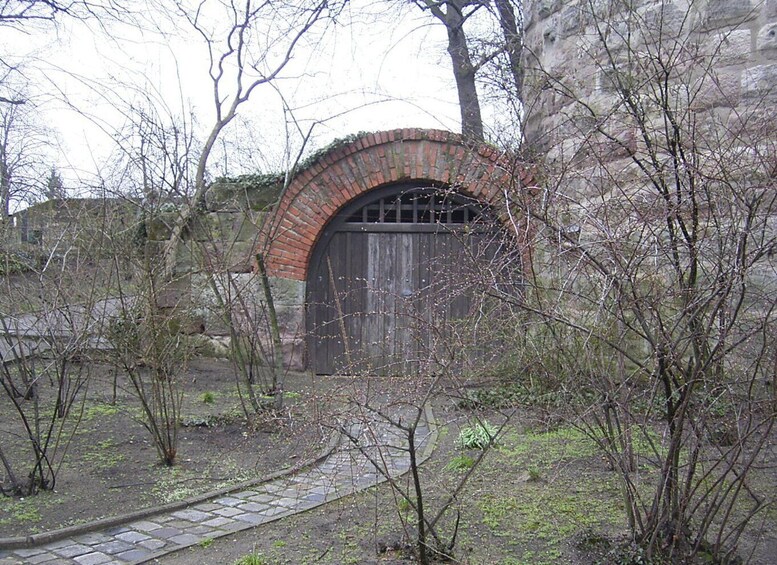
(419, 206)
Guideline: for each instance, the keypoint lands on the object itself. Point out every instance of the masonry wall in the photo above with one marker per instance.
(721, 82)
(239, 222)
(728, 62)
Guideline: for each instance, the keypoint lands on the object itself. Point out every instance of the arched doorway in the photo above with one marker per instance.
(389, 279)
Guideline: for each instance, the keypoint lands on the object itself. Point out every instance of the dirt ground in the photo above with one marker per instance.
(543, 496)
(111, 464)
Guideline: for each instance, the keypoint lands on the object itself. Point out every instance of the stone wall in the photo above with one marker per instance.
(57, 225)
(625, 98)
(726, 55)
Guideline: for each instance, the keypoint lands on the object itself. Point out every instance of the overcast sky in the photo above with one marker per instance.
(382, 66)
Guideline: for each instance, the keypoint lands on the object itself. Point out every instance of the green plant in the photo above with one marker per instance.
(534, 474)
(403, 505)
(460, 463)
(104, 455)
(206, 543)
(478, 436)
(96, 410)
(208, 397)
(251, 559)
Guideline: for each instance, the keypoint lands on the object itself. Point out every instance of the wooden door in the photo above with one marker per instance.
(382, 295)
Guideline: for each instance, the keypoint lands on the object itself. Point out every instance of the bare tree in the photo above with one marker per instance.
(24, 148)
(471, 53)
(650, 297)
(236, 67)
(52, 314)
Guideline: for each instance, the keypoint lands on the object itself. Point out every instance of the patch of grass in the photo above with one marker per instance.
(208, 397)
(460, 463)
(207, 421)
(171, 487)
(104, 455)
(548, 447)
(550, 515)
(98, 410)
(251, 559)
(24, 510)
(279, 543)
(206, 543)
(534, 474)
(495, 509)
(478, 436)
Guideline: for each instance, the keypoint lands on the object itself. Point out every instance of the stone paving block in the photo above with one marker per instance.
(272, 487)
(73, 550)
(134, 555)
(204, 531)
(289, 493)
(250, 518)
(207, 507)
(192, 515)
(181, 524)
(41, 558)
(133, 537)
(166, 533)
(26, 552)
(219, 522)
(228, 501)
(287, 503)
(95, 558)
(315, 497)
(113, 547)
(235, 526)
(145, 526)
(228, 512)
(186, 539)
(275, 511)
(152, 544)
(252, 507)
(326, 489)
(262, 498)
(92, 538)
(116, 530)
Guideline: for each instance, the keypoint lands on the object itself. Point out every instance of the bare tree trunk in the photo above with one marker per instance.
(453, 18)
(513, 36)
(464, 73)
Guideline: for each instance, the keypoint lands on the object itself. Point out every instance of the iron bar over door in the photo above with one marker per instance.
(386, 284)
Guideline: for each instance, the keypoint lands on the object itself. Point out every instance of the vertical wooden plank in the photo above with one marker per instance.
(334, 270)
(372, 330)
(356, 306)
(404, 351)
(423, 334)
(316, 314)
(389, 291)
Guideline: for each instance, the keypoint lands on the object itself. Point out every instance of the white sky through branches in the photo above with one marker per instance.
(380, 66)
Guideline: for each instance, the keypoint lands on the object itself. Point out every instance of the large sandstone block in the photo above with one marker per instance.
(729, 12)
(767, 37)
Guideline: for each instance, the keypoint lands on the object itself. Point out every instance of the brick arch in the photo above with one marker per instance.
(319, 192)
